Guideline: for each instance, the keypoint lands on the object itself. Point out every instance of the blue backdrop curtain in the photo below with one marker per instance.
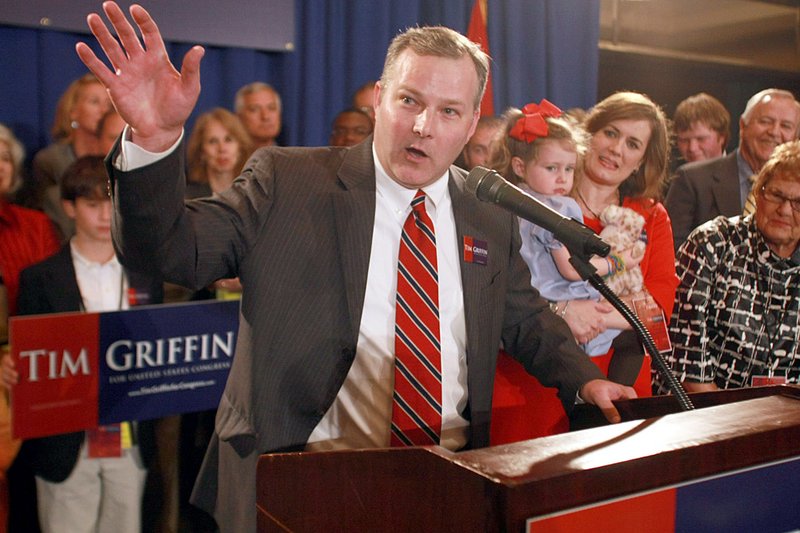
(541, 49)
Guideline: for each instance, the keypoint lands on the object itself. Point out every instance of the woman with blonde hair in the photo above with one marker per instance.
(74, 131)
(26, 237)
(217, 150)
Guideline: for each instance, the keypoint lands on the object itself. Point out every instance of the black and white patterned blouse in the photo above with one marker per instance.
(736, 308)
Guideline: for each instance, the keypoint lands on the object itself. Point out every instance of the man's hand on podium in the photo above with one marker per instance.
(602, 393)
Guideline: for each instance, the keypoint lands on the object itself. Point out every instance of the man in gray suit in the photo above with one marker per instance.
(315, 232)
(706, 189)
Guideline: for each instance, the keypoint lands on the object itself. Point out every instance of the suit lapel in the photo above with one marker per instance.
(474, 276)
(65, 295)
(726, 186)
(354, 211)
(63, 289)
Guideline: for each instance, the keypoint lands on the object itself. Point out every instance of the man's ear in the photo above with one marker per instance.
(69, 208)
(377, 93)
(476, 116)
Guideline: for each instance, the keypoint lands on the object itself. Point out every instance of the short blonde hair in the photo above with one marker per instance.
(194, 150)
(17, 156)
(62, 123)
(437, 41)
(255, 87)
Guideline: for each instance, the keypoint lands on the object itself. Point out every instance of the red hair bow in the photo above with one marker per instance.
(532, 124)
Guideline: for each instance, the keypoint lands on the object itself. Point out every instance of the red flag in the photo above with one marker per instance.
(478, 33)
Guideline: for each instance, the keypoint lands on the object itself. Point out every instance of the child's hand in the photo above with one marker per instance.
(8, 371)
(586, 319)
(630, 257)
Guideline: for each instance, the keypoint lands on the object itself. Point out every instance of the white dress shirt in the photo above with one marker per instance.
(360, 416)
(103, 286)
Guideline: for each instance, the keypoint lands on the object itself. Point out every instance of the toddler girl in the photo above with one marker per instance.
(539, 153)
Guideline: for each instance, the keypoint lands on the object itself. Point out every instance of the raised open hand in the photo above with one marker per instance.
(146, 89)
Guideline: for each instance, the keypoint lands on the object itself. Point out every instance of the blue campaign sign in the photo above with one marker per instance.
(164, 360)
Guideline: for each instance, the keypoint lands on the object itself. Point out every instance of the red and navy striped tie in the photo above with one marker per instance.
(417, 399)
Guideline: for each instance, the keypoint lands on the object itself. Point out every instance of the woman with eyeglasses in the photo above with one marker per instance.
(737, 316)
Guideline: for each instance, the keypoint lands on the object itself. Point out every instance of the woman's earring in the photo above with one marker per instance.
(74, 125)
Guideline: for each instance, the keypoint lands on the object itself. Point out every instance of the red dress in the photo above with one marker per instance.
(522, 408)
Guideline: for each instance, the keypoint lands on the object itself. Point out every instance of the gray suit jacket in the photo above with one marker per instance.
(702, 191)
(296, 228)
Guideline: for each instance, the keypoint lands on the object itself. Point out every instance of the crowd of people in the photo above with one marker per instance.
(39, 216)
(720, 337)
(706, 249)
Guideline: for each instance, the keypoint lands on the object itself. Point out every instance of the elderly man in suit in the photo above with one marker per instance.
(258, 106)
(341, 235)
(706, 189)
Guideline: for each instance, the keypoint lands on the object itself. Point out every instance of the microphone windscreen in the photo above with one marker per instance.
(475, 177)
(486, 184)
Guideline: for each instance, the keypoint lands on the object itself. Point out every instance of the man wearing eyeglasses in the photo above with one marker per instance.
(350, 127)
(736, 319)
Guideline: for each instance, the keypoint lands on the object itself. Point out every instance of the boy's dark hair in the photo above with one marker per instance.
(85, 178)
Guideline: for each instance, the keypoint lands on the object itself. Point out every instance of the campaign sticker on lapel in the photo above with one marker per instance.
(475, 251)
(138, 297)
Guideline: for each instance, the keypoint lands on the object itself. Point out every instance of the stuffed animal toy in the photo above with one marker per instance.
(623, 230)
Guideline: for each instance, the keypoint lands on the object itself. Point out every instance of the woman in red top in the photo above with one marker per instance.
(26, 237)
(626, 165)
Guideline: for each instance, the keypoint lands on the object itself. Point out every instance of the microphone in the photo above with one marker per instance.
(489, 186)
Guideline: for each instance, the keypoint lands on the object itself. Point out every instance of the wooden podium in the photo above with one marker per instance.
(499, 488)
